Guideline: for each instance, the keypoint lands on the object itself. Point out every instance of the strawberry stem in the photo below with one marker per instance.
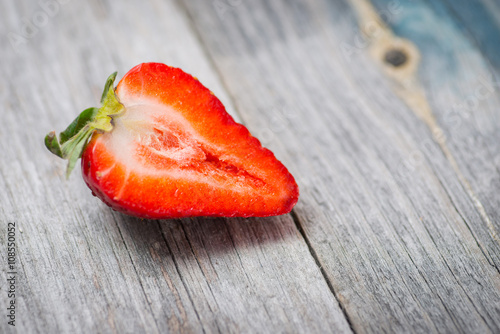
(74, 139)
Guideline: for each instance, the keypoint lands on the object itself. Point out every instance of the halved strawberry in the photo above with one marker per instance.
(163, 146)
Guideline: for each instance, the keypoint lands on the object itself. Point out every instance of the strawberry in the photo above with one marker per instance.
(163, 146)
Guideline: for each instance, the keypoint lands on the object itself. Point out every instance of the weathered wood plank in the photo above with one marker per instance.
(393, 216)
(463, 93)
(83, 268)
(404, 241)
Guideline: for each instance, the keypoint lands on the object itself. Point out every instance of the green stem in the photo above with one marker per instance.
(72, 142)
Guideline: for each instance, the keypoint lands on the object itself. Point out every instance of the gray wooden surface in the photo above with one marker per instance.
(397, 227)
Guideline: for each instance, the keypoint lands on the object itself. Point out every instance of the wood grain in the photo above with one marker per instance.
(397, 227)
(85, 269)
(398, 233)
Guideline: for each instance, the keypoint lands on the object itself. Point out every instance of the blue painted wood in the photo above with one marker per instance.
(479, 21)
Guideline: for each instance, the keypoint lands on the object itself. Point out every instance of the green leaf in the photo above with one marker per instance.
(77, 150)
(108, 85)
(83, 119)
(110, 104)
(72, 141)
(52, 144)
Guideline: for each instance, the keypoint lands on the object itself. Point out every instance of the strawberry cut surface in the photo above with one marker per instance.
(175, 152)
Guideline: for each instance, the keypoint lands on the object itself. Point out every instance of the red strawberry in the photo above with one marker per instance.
(163, 146)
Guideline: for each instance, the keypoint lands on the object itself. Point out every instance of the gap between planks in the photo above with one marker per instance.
(296, 220)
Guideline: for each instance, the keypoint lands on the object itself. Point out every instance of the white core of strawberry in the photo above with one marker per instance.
(162, 130)
(149, 131)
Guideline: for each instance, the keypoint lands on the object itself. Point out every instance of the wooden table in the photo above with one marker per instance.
(387, 113)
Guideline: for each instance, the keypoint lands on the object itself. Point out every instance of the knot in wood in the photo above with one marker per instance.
(395, 57)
